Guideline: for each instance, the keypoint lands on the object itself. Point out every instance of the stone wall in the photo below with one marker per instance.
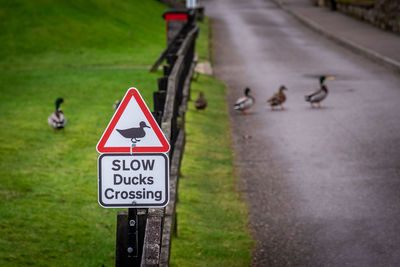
(384, 14)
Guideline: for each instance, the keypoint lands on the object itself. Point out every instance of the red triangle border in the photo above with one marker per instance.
(132, 92)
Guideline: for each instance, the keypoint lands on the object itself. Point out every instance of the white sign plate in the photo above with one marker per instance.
(139, 180)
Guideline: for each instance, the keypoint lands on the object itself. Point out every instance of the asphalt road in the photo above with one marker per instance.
(323, 185)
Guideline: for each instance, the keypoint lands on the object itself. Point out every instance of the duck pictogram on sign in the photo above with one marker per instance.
(136, 133)
(133, 129)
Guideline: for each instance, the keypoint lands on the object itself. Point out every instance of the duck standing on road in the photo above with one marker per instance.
(320, 94)
(245, 102)
(278, 98)
(57, 119)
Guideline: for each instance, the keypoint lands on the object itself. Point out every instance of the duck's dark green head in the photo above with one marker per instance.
(322, 79)
(58, 102)
(246, 90)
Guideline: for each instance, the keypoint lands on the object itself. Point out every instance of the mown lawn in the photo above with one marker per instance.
(62, 33)
(48, 196)
(89, 53)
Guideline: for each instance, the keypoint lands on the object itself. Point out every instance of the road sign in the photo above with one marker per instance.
(132, 129)
(139, 180)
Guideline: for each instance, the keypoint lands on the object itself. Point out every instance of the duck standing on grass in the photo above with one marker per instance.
(57, 119)
(245, 102)
(320, 94)
(278, 99)
(201, 102)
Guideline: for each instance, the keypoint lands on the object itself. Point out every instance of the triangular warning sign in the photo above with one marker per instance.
(132, 128)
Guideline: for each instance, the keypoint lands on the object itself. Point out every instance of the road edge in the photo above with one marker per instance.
(368, 53)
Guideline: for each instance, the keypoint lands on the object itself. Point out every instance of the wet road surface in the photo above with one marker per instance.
(323, 185)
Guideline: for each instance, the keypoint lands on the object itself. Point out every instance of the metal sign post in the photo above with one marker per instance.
(133, 244)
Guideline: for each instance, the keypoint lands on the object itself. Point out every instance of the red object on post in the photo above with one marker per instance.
(176, 16)
(175, 20)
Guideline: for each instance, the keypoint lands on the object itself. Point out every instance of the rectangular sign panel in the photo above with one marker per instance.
(139, 180)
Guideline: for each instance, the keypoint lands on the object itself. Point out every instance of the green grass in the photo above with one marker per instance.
(89, 53)
(202, 42)
(48, 194)
(49, 33)
(212, 217)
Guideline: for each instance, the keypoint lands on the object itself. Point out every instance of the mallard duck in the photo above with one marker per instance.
(320, 94)
(134, 133)
(245, 102)
(116, 104)
(201, 102)
(57, 119)
(278, 98)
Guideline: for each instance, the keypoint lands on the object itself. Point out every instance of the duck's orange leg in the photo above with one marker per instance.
(245, 112)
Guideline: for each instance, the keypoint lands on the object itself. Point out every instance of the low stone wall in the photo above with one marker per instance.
(384, 14)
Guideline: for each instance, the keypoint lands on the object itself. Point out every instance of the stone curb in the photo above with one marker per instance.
(393, 64)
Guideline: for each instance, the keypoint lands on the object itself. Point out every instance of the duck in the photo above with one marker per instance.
(134, 133)
(278, 98)
(245, 102)
(116, 104)
(201, 102)
(320, 94)
(57, 119)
